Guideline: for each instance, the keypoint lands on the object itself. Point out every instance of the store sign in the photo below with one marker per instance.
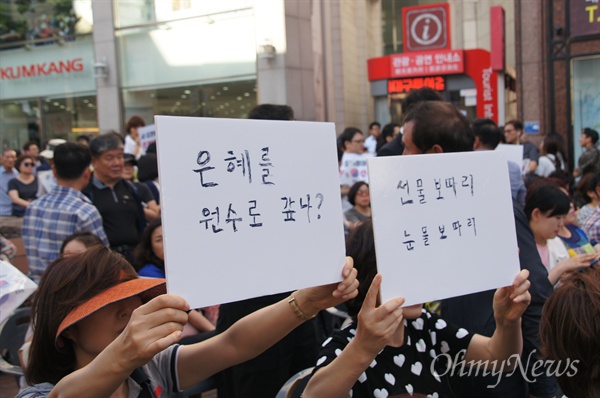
(42, 69)
(405, 85)
(426, 27)
(429, 63)
(479, 68)
(48, 71)
(585, 17)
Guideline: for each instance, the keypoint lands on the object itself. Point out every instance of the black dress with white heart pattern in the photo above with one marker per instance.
(419, 366)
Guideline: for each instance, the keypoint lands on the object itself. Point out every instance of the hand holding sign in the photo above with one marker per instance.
(315, 299)
(378, 326)
(511, 301)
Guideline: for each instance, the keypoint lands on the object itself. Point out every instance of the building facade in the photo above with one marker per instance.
(81, 67)
(558, 58)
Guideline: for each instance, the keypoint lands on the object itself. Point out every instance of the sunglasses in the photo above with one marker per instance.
(27, 164)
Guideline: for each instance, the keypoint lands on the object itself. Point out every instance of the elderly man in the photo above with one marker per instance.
(117, 199)
(7, 173)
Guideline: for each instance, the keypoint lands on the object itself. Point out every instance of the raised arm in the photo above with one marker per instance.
(253, 334)
(377, 327)
(509, 304)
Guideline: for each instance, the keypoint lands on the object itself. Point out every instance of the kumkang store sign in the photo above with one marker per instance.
(50, 70)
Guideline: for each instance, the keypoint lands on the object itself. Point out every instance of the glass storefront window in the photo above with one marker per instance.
(142, 12)
(40, 119)
(27, 23)
(391, 24)
(226, 100)
(585, 97)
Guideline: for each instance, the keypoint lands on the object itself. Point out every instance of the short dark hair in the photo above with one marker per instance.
(71, 160)
(83, 137)
(105, 142)
(440, 123)
(517, 124)
(373, 124)
(548, 198)
(347, 135)
(21, 159)
(134, 122)
(488, 132)
(28, 144)
(271, 112)
(354, 191)
(147, 167)
(591, 133)
(387, 131)
(419, 95)
(569, 330)
(89, 239)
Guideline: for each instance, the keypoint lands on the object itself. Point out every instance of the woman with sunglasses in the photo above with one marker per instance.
(23, 189)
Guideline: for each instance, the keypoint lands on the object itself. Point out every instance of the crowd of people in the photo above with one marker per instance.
(103, 325)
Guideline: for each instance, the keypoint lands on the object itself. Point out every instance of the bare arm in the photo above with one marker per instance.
(532, 166)
(253, 334)
(151, 210)
(509, 304)
(14, 197)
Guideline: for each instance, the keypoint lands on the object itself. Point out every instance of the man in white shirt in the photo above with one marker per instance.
(371, 140)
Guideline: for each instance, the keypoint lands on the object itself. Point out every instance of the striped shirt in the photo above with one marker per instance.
(52, 218)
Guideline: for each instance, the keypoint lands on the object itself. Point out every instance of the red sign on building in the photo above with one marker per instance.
(445, 62)
(426, 27)
(405, 85)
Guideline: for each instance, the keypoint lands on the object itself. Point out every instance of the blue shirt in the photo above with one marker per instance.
(52, 218)
(5, 202)
(151, 271)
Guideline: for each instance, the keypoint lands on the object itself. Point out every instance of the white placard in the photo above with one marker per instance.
(443, 224)
(15, 288)
(514, 153)
(147, 136)
(353, 168)
(279, 225)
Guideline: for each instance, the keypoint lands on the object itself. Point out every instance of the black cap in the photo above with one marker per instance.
(129, 158)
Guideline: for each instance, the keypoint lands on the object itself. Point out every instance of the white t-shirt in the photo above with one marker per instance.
(371, 144)
(129, 145)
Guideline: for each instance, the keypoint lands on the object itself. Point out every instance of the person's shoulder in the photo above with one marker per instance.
(151, 271)
(36, 391)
